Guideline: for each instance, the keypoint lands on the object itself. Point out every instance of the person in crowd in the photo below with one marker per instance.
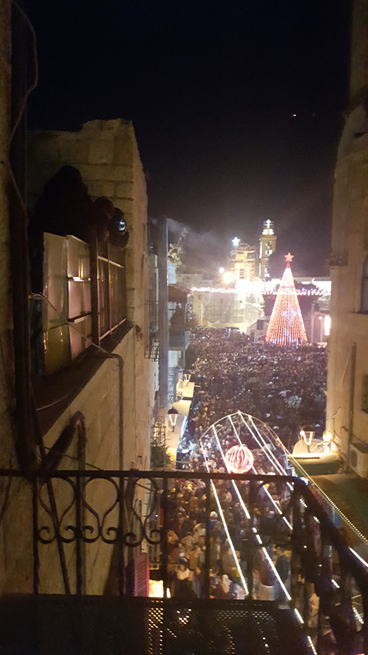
(282, 566)
(268, 581)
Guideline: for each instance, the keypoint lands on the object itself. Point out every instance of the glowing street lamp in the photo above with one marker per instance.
(173, 417)
(327, 325)
(228, 277)
(308, 436)
(221, 270)
(236, 242)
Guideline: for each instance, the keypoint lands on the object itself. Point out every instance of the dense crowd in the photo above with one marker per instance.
(238, 565)
(280, 386)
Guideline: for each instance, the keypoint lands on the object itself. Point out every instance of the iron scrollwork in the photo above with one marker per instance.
(90, 531)
(146, 532)
(57, 531)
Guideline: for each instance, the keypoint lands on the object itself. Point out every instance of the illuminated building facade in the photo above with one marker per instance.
(267, 246)
(242, 262)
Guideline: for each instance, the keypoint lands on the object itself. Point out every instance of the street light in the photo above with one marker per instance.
(236, 242)
(228, 277)
(307, 435)
(173, 417)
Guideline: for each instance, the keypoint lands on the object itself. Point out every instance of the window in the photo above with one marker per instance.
(110, 288)
(84, 298)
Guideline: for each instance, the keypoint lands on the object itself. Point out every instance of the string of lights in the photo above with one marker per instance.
(264, 292)
(214, 491)
(264, 550)
(272, 500)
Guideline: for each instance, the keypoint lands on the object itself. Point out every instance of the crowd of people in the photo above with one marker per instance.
(280, 386)
(239, 564)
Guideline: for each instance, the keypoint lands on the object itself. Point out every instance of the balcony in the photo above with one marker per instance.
(87, 518)
(179, 339)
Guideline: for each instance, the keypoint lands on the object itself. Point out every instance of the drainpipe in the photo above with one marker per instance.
(120, 362)
(163, 320)
(351, 401)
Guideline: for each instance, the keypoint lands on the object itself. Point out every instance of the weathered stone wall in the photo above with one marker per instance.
(348, 324)
(15, 495)
(359, 49)
(106, 154)
(99, 403)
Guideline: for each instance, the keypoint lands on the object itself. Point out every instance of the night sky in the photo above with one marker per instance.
(211, 88)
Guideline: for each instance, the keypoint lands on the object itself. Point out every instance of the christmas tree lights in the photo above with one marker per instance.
(286, 325)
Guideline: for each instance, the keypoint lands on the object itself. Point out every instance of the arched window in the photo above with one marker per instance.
(364, 296)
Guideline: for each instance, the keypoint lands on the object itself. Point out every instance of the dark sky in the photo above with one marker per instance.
(211, 88)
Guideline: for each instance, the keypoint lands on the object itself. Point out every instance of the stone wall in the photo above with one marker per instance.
(15, 494)
(349, 318)
(348, 324)
(106, 154)
(99, 403)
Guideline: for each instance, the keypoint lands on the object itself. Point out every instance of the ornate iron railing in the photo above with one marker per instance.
(93, 514)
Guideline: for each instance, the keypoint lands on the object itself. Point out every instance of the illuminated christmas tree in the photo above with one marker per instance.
(286, 325)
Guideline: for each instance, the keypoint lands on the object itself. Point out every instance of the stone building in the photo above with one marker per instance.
(15, 494)
(267, 246)
(93, 405)
(112, 385)
(347, 389)
(242, 262)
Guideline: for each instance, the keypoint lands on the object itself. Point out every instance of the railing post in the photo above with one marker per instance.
(78, 526)
(164, 542)
(121, 537)
(206, 589)
(35, 535)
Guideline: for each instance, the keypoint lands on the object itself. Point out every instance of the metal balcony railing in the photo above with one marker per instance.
(92, 514)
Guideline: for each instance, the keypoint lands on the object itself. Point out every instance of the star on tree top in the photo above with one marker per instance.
(288, 257)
